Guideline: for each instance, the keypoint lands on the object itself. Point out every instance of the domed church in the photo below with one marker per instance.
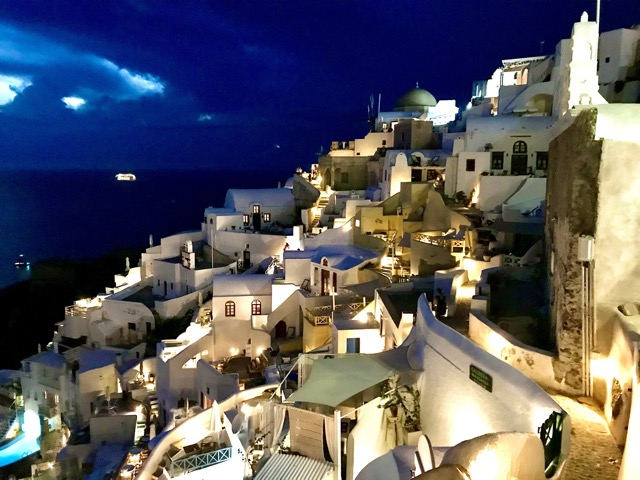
(415, 100)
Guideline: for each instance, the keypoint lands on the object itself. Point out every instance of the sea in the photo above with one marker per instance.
(83, 214)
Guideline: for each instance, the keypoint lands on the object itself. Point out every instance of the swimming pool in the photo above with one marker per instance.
(25, 443)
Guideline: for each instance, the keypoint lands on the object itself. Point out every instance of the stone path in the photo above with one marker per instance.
(593, 453)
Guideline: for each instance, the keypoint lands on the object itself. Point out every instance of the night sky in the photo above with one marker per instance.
(229, 83)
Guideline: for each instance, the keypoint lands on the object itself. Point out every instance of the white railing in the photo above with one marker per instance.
(199, 461)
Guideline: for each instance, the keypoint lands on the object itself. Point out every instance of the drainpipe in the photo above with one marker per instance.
(585, 256)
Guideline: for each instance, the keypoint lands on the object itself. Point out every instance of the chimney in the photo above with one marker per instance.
(55, 346)
(118, 359)
(39, 348)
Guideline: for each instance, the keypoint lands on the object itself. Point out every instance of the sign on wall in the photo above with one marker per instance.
(480, 377)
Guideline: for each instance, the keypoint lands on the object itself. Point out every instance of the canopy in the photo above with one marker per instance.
(334, 380)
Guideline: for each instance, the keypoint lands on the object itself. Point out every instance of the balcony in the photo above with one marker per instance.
(48, 410)
(319, 316)
(199, 461)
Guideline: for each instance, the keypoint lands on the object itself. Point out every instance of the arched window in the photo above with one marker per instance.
(256, 307)
(229, 309)
(325, 262)
(519, 147)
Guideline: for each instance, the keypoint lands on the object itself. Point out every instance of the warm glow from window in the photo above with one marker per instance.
(234, 351)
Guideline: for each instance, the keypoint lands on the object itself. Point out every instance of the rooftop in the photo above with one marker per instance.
(340, 257)
(48, 358)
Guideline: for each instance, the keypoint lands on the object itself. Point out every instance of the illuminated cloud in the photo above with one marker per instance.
(206, 117)
(89, 77)
(74, 103)
(10, 86)
(139, 83)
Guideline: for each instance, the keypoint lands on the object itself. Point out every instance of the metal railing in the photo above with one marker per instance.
(199, 461)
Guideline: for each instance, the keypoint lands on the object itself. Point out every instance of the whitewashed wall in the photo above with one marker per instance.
(454, 408)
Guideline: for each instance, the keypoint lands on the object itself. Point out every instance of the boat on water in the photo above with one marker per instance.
(22, 262)
(126, 177)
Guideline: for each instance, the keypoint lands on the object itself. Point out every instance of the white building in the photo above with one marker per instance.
(329, 268)
(262, 207)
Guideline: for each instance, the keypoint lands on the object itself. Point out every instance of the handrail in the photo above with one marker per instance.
(199, 461)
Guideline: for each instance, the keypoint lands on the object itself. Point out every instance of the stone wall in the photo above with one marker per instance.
(572, 197)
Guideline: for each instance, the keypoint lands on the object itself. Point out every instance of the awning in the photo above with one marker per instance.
(296, 467)
(334, 380)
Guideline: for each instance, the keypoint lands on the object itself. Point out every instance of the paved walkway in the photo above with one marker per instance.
(594, 454)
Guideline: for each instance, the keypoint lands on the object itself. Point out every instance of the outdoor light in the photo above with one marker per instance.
(31, 424)
(234, 351)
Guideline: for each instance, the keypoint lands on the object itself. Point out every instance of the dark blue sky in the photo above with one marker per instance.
(231, 83)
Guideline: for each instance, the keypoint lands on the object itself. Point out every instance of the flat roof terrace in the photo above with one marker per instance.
(144, 296)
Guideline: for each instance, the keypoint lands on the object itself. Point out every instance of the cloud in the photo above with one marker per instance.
(61, 69)
(10, 86)
(139, 83)
(74, 103)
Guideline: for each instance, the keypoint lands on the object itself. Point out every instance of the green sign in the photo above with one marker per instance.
(481, 378)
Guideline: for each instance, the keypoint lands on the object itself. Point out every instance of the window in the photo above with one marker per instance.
(519, 147)
(607, 60)
(256, 307)
(171, 285)
(266, 217)
(132, 326)
(471, 164)
(256, 209)
(158, 282)
(245, 219)
(542, 160)
(497, 160)
(229, 309)
(344, 177)
(384, 143)
(211, 221)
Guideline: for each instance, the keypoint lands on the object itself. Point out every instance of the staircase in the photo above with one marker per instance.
(153, 400)
(141, 424)
(323, 201)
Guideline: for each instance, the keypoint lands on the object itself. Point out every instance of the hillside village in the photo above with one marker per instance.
(429, 301)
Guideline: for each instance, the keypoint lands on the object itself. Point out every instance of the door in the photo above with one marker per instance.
(519, 165)
(324, 282)
(353, 345)
(257, 220)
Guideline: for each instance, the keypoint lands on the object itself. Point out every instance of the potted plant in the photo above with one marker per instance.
(402, 409)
